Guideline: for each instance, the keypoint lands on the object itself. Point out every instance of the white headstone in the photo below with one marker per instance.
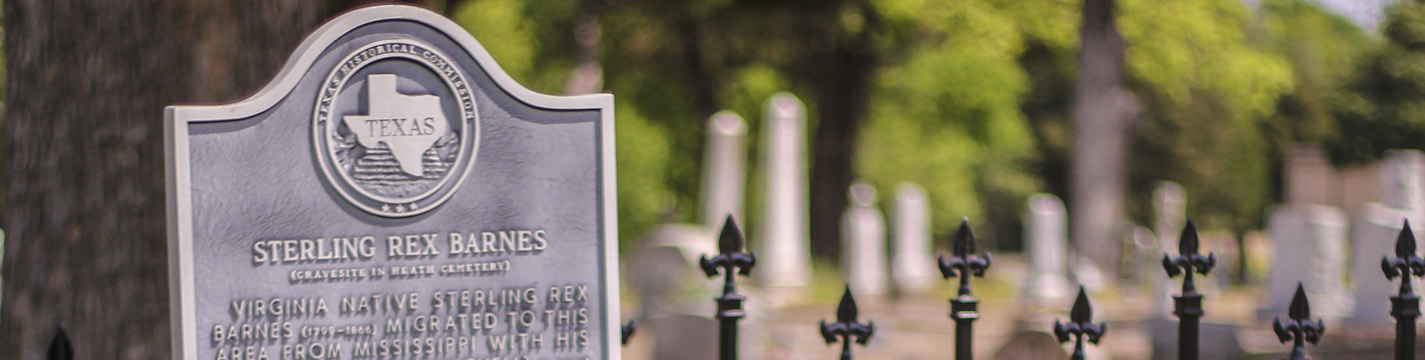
(863, 236)
(782, 235)
(912, 265)
(1401, 184)
(1169, 203)
(1045, 229)
(1147, 260)
(665, 272)
(1170, 215)
(1373, 237)
(1311, 249)
(1374, 233)
(723, 169)
(673, 292)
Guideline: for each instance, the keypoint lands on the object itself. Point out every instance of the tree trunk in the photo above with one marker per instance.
(1102, 110)
(840, 107)
(87, 82)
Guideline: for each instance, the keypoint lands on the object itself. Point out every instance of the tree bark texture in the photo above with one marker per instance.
(840, 107)
(87, 82)
(1102, 110)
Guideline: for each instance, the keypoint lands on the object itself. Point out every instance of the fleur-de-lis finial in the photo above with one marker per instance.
(731, 258)
(1299, 328)
(1188, 260)
(964, 262)
(1405, 263)
(1080, 326)
(1404, 306)
(846, 328)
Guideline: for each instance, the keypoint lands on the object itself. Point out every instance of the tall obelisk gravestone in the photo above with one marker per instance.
(392, 193)
(785, 268)
(723, 170)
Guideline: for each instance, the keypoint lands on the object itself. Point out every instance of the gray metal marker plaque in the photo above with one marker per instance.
(393, 194)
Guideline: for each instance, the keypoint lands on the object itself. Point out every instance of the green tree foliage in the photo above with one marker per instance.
(946, 115)
(533, 41)
(1384, 104)
(968, 98)
(1205, 88)
(672, 64)
(1323, 50)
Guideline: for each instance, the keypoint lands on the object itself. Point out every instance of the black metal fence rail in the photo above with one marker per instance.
(1298, 327)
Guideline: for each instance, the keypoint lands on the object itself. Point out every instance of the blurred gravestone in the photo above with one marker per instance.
(1402, 186)
(1147, 259)
(912, 268)
(1373, 236)
(1229, 258)
(864, 247)
(690, 337)
(1311, 249)
(782, 235)
(665, 275)
(723, 169)
(1169, 213)
(674, 294)
(1047, 245)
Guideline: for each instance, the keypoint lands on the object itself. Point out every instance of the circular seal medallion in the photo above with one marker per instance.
(394, 127)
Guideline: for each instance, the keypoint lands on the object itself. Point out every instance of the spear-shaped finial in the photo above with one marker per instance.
(964, 263)
(1080, 326)
(1299, 328)
(846, 328)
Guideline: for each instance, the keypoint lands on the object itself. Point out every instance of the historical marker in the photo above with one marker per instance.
(393, 194)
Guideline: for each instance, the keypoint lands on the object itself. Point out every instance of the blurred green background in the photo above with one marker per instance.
(972, 99)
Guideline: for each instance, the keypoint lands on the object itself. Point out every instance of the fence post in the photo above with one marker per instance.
(1080, 326)
(59, 346)
(1299, 328)
(846, 328)
(963, 307)
(729, 307)
(1188, 306)
(1405, 306)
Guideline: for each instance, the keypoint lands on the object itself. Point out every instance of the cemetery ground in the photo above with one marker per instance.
(917, 326)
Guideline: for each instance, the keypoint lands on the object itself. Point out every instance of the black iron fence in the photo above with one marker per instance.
(1298, 328)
